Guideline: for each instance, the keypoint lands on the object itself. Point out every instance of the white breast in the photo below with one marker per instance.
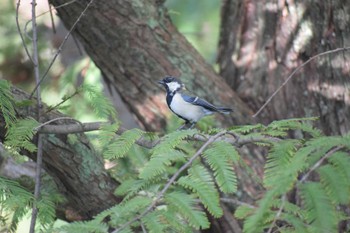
(186, 110)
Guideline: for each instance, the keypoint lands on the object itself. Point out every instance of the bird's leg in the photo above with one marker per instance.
(182, 126)
(192, 124)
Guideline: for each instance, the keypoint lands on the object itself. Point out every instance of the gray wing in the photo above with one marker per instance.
(200, 102)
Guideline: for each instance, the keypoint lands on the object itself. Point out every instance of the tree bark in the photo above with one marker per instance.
(77, 169)
(262, 42)
(135, 44)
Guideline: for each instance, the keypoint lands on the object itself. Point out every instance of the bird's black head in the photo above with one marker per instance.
(171, 84)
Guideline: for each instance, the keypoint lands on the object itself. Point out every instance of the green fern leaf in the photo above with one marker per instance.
(186, 206)
(100, 103)
(317, 203)
(219, 157)
(118, 147)
(21, 133)
(341, 161)
(296, 223)
(200, 182)
(245, 129)
(83, 227)
(278, 160)
(243, 212)
(153, 221)
(335, 183)
(170, 141)
(7, 103)
(172, 218)
(159, 162)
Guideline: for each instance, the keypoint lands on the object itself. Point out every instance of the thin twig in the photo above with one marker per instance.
(53, 120)
(63, 101)
(278, 214)
(20, 32)
(172, 180)
(319, 162)
(296, 70)
(40, 142)
(236, 202)
(61, 47)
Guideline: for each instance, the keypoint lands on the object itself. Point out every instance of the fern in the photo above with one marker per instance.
(185, 205)
(200, 182)
(278, 161)
(7, 103)
(335, 183)
(317, 203)
(118, 147)
(159, 164)
(83, 227)
(153, 221)
(100, 103)
(21, 133)
(220, 158)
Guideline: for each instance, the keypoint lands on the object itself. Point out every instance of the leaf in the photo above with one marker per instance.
(170, 141)
(118, 147)
(185, 205)
(220, 157)
(317, 203)
(7, 103)
(159, 164)
(200, 182)
(21, 133)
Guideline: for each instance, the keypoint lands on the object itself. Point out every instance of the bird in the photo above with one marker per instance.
(189, 108)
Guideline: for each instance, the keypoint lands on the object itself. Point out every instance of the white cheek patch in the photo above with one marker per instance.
(173, 86)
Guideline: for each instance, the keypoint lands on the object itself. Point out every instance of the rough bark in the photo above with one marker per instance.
(135, 44)
(76, 168)
(262, 42)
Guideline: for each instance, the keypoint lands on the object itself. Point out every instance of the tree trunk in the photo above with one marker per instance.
(76, 168)
(262, 42)
(135, 44)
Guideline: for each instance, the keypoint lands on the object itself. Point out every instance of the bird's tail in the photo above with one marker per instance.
(224, 110)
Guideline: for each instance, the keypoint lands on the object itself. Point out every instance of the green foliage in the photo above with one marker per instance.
(21, 133)
(99, 102)
(7, 103)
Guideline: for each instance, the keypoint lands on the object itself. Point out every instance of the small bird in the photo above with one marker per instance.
(189, 108)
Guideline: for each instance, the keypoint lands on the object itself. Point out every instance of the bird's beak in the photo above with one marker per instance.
(161, 82)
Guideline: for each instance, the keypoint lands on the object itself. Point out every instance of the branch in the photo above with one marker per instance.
(171, 180)
(20, 32)
(61, 47)
(295, 71)
(236, 140)
(39, 156)
(319, 162)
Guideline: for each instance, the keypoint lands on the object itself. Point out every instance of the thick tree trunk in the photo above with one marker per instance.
(76, 168)
(135, 44)
(262, 42)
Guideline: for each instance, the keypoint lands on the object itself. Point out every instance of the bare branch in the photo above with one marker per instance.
(61, 47)
(39, 156)
(319, 162)
(295, 71)
(236, 202)
(278, 214)
(20, 31)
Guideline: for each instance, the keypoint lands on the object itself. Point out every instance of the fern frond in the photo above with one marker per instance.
(295, 124)
(21, 133)
(278, 160)
(257, 221)
(153, 221)
(220, 157)
(295, 222)
(245, 129)
(341, 161)
(107, 133)
(200, 182)
(7, 103)
(173, 219)
(335, 183)
(243, 212)
(118, 147)
(317, 203)
(159, 162)
(100, 103)
(186, 206)
(84, 226)
(170, 141)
